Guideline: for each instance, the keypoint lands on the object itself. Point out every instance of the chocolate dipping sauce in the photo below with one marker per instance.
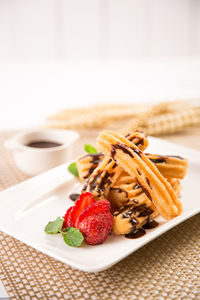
(43, 144)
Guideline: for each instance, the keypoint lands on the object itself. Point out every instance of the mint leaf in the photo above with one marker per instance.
(89, 149)
(72, 237)
(72, 168)
(54, 226)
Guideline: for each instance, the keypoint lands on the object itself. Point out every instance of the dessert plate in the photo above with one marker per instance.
(27, 207)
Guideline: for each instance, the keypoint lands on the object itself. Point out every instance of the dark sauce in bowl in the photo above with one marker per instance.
(43, 144)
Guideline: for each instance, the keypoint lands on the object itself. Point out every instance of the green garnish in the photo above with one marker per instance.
(89, 149)
(72, 168)
(71, 236)
(54, 227)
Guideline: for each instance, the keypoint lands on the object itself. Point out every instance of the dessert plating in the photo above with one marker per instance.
(124, 190)
(139, 185)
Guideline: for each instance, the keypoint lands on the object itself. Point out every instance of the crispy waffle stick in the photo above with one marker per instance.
(130, 218)
(138, 138)
(143, 199)
(119, 198)
(169, 166)
(136, 163)
(176, 185)
(120, 194)
(132, 189)
(107, 171)
(87, 164)
(99, 182)
(124, 178)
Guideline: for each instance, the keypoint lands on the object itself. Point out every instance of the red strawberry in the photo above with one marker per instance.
(99, 206)
(66, 217)
(96, 228)
(83, 201)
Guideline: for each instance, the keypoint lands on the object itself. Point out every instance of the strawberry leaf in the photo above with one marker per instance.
(89, 149)
(72, 237)
(72, 168)
(54, 227)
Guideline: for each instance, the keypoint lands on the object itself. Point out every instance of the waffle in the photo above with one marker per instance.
(102, 177)
(176, 185)
(129, 157)
(107, 171)
(169, 166)
(130, 218)
(87, 164)
(120, 194)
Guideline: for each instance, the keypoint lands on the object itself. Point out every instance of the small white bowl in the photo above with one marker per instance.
(33, 161)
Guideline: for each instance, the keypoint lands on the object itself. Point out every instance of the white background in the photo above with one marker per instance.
(63, 53)
(99, 29)
(31, 92)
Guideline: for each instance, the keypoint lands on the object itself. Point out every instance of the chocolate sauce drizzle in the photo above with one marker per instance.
(131, 138)
(158, 160)
(130, 209)
(150, 224)
(142, 209)
(121, 147)
(140, 142)
(121, 210)
(137, 233)
(105, 180)
(90, 171)
(74, 197)
(162, 159)
(136, 187)
(96, 157)
(119, 190)
(95, 160)
(148, 182)
(94, 181)
(143, 212)
(137, 151)
(144, 189)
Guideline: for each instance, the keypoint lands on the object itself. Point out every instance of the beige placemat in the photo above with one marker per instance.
(167, 268)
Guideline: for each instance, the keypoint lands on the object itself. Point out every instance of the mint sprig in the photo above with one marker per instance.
(90, 149)
(72, 168)
(71, 236)
(54, 227)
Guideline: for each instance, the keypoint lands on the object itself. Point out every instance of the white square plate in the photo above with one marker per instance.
(26, 208)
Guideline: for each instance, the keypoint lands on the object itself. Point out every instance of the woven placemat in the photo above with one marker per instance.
(167, 268)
